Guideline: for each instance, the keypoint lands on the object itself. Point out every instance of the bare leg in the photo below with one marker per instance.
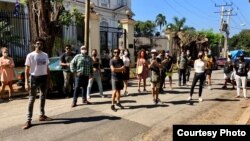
(2, 90)
(10, 90)
(139, 84)
(114, 97)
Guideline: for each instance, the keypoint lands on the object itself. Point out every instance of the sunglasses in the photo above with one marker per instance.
(116, 52)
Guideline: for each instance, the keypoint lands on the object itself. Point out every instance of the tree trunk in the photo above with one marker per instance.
(41, 23)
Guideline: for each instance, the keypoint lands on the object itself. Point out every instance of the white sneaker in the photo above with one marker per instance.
(125, 93)
(209, 87)
(189, 98)
(200, 99)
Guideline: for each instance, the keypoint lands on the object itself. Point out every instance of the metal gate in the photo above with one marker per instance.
(14, 34)
(109, 39)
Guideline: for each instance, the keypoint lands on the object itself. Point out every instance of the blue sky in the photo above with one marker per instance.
(198, 13)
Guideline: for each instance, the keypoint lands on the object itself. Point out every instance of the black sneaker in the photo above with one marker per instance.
(154, 101)
(113, 108)
(119, 105)
(224, 87)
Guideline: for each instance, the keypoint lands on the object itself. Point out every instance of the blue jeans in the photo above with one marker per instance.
(80, 82)
(97, 77)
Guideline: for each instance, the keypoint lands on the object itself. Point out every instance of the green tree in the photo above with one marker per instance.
(145, 29)
(160, 20)
(214, 40)
(46, 18)
(241, 41)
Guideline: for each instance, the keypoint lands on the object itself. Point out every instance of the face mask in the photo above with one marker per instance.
(5, 54)
(94, 55)
(200, 56)
(153, 55)
(84, 51)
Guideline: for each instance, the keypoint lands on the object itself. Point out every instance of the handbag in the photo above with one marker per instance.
(139, 69)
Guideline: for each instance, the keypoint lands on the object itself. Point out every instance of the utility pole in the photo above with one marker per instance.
(86, 33)
(224, 25)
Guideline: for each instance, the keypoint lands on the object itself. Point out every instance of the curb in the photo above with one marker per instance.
(245, 116)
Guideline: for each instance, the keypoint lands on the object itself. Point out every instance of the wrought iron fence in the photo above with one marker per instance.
(14, 34)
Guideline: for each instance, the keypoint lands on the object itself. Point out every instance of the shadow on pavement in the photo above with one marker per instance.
(76, 120)
(191, 102)
(147, 106)
(221, 99)
(176, 92)
(108, 102)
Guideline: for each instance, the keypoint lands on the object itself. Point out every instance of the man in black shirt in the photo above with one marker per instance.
(241, 70)
(65, 60)
(117, 69)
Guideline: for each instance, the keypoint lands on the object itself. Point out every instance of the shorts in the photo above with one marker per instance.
(208, 71)
(155, 84)
(117, 84)
(229, 76)
(169, 74)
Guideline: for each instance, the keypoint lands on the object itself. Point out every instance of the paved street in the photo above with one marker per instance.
(140, 120)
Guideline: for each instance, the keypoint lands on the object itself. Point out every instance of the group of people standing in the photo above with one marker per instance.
(79, 71)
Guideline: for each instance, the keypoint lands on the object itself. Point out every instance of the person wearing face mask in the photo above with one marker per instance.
(97, 74)
(117, 69)
(169, 68)
(155, 66)
(38, 71)
(82, 66)
(241, 69)
(208, 69)
(65, 60)
(199, 67)
(228, 72)
(7, 72)
(182, 67)
(126, 60)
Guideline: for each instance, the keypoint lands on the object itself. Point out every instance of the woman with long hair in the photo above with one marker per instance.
(142, 69)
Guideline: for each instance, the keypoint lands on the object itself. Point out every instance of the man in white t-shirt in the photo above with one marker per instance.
(37, 70)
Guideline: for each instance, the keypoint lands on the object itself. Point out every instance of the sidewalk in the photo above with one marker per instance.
(18, 91)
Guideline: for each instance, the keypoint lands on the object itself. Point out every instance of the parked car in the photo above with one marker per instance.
(56, 75)
(220, 62)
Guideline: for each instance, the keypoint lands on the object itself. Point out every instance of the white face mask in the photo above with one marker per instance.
(5, 54)
(84, 51)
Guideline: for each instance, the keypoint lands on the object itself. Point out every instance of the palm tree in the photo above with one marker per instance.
(179, 35)
(160, 20)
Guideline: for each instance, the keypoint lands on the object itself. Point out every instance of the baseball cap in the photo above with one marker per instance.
(83, 47)
(153, 51)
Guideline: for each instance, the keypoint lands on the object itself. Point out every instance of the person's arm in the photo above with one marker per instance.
(27, 75)
(73, 64)
(12, 64)
(63, 61)
(91, 66)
